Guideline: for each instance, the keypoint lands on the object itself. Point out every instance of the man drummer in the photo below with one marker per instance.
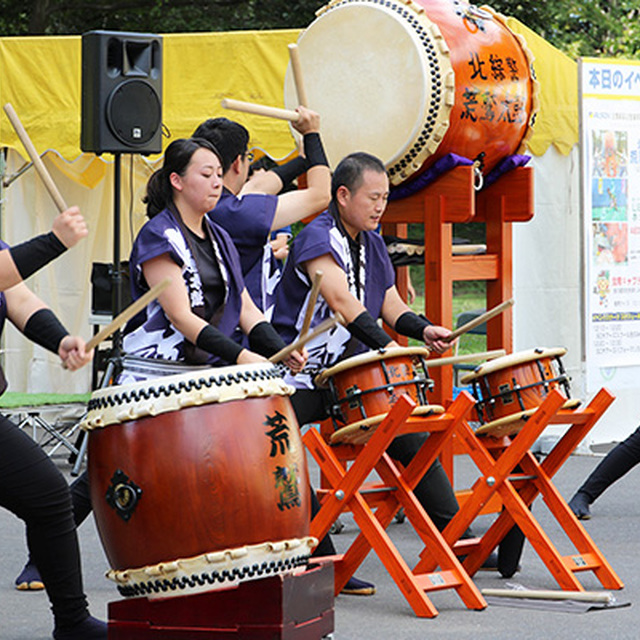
(358, 282)
(249, 209)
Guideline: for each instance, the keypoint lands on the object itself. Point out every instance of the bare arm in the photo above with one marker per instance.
(394, 306)
(69, 228)
(174, 300)
(22, 303)
(9, 274)
(296, 205)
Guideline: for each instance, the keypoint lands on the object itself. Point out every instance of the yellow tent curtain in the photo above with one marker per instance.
(41, 78)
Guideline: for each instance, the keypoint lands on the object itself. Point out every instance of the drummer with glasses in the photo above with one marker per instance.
(250, 208)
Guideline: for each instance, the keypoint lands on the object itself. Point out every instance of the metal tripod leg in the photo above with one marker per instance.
(84, 440)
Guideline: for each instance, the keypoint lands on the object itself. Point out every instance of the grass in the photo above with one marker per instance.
(467, 296)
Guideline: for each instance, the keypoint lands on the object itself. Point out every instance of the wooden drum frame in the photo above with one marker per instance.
(198, 480)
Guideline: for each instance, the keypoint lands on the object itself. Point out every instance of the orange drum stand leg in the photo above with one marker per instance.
(348, 492)
(496, 459)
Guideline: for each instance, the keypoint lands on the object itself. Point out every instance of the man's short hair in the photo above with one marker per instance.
(230, 138)
(350, 169)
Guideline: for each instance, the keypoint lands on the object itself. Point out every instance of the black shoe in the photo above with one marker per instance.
(89, 629)
(579, 504)
(29, 578)
(357, 587)
(510, 552)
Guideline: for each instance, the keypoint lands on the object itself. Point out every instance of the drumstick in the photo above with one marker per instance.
(496, 311)
(313, 296)
(128, 313)
(260, 109)
(537, 594)
(325, 325)
(35, 158)
(466, 357)
(296, 67)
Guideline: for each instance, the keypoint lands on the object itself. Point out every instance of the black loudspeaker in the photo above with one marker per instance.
(121, 92)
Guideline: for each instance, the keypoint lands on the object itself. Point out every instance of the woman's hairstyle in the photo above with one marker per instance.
(177, 157)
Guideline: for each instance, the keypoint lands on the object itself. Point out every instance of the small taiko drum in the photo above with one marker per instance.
(198, 480)
(411, 81)
(508, 390)
(365, 387)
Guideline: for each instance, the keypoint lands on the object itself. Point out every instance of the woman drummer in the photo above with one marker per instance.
(194, 317)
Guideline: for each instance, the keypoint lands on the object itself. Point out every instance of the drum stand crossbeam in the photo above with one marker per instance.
(509, 469)
(348, 492)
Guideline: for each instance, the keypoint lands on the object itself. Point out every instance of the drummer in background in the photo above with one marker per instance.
(31, 486)
(249, 209)
(359, 283)
(193, 319)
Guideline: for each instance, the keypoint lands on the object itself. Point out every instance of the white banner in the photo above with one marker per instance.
(610, 142)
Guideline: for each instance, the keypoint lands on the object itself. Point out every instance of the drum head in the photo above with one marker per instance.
(510, 425)
(513, 359)
(381, 83)
(367, 358)
(360, 432)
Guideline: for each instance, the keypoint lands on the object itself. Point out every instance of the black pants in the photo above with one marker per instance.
(33, 489)
(615, 464)
(434, 491)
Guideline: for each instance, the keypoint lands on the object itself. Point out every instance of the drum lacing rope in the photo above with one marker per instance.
(195, 580)
(172, 388)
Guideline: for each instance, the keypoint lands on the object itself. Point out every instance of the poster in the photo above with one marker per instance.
(610, 141)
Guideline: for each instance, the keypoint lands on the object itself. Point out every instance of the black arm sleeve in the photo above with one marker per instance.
(411, 324)
(265, 340)
(44, 328)
(214, 341)
(290, 170)
(314, 151)
(366, 329)
(34, 254)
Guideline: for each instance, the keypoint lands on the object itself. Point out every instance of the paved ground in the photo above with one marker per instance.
(614, 527)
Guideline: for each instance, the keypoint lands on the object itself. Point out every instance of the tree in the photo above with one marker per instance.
(580, 27)
(66, 17)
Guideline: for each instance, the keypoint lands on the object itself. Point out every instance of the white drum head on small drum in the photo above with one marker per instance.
(382, 83)
(511, 360)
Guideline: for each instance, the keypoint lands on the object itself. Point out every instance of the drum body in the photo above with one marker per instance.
(412, 81)
(195, 469)
(520, 382)
(367, 385)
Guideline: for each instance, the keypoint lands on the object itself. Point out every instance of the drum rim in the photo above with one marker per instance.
(435, 121)
(176, 379)
(520, 357)
(224, 567)
(368, 357)
(570, 405)
(366, 423)
(123, 403)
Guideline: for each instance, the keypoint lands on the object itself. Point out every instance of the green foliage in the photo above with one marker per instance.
(607, 28)
(49, 17)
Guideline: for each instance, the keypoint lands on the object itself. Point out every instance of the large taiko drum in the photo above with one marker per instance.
(198, 480)
(413, 80)
(508, 390)
(365, 387)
